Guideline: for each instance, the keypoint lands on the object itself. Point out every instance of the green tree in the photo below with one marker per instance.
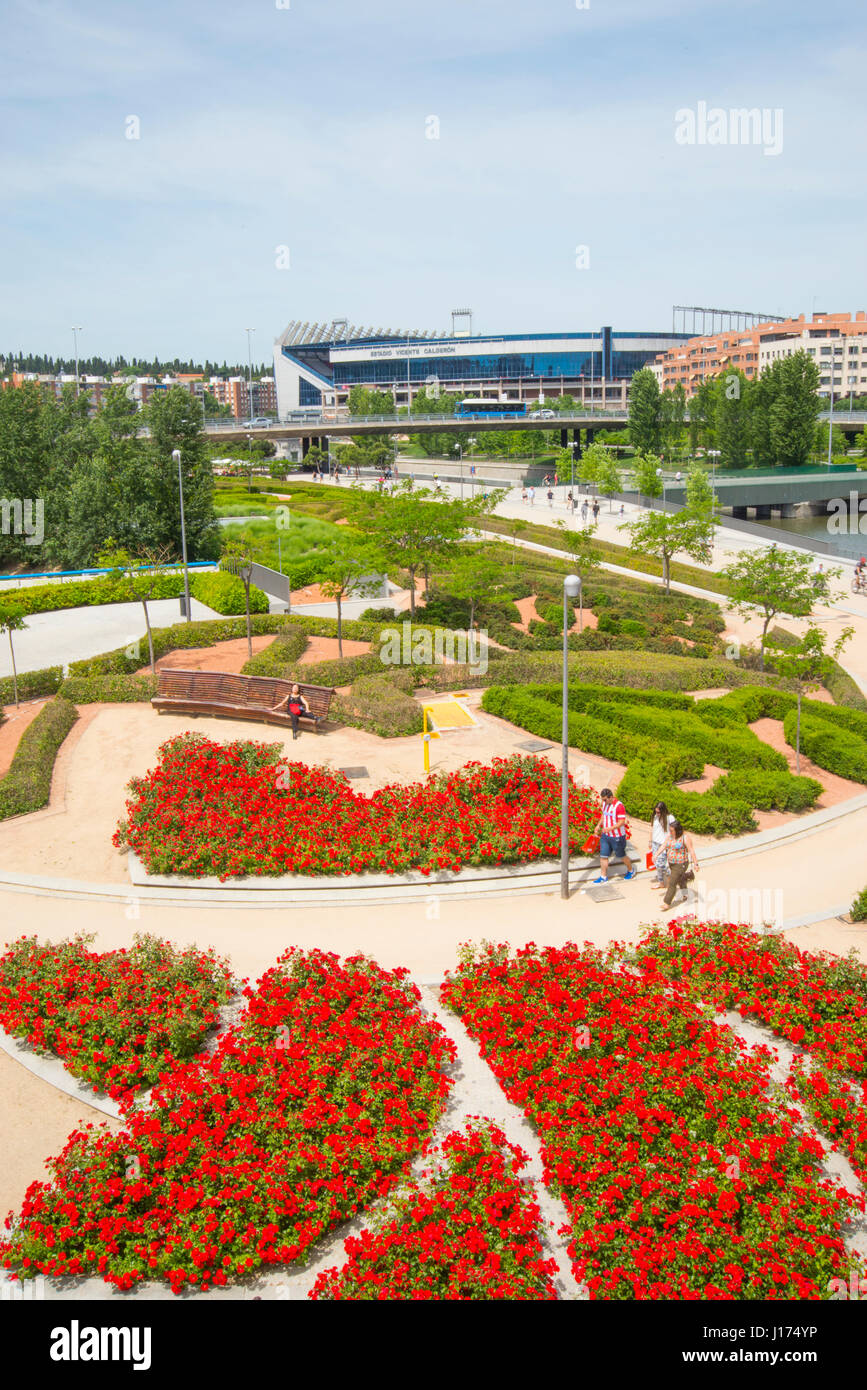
(579, 543)
(733, 419)
(12, 620)
(412, 531)
(772, 582)
(672, 414)
(609, 480)
(474, 577)
(346, 570)
(593, 463)
(647, 479)
(238, 558)
(807, 664)
(839, 442)
(795, 409)
(176, 423)
(140, 579)
(645, 412)
(700, 500)
(665, 535)
(703, 407)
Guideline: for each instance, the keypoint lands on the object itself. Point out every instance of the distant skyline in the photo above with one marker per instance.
(560, 191)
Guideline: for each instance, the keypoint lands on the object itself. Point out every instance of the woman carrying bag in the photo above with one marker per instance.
(679, 850)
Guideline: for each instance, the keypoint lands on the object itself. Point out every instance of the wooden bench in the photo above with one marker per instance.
(237, 697)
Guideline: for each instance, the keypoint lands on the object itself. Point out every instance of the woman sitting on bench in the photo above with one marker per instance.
(297, 705)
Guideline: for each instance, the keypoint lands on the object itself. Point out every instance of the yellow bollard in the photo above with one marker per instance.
(426, 738)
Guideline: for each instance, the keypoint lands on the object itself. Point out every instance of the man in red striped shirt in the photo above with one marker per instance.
(612, 835)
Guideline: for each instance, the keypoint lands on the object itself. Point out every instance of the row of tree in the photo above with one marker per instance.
(95, 365)
(769, 420)
(98, 477)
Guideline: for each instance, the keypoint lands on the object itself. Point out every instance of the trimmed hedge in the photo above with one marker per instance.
(27, 785)
(115, 690)
(220, 591)
(31, 684)
(379, 705)
(665, 739)
(280, 656)
(838, 750)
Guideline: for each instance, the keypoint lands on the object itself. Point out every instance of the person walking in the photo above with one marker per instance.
(658, 838)
(611, 829)
(532, 495)
(595, 508)
(584, 510)
(679, 850)
(524, 496)
(550, 498)
(570, 502)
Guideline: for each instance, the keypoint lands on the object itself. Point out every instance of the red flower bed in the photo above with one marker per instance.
(116, 1019)
(469, 1230)
(310, 1107)
(818, 1001)
(236, 809)
(684, 1176)
(839, 1109)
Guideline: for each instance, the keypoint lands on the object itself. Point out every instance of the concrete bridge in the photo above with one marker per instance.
(788, 494)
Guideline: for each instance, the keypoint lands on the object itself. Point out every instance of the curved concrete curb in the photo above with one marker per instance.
(52, 1071)
(359, 889)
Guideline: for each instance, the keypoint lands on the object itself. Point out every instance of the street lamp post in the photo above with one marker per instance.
(176, 455)
(472, 444)
(571, 589)
(713, 454)
(248, 331)
(459, 446)
(660, 474)
(75, 333)
(831, 414)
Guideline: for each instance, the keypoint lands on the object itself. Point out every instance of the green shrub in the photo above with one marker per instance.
(664, 740)
(225, 593)
(31, 684)
(837, 750)
(341, 670)
(91, 690)
(279, 657)
(858, 909)
(375, 703)
(633, 628)
(378, 615)
(27, 785)
(609, 622)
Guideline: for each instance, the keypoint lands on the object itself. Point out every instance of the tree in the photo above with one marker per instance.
(808, 664)
(733, 419)
(609, 479)
(579, 543)
(176, 423)
(794, 412)
(703, 414)
(647, 479)
(665, 535)
(12, 620)
(140, 579)
(473, 576)
(700, 500)
(773, 582)
(672, 413)
(645, 412)
(237, 558)
(839, 442)
(410, 530)
(342, 574)
(593, 462)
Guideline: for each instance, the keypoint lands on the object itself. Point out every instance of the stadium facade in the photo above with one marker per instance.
(316, 365)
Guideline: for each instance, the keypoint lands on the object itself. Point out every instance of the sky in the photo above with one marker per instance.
(175, 173)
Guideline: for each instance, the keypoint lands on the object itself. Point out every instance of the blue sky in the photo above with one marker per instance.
(306, 127)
